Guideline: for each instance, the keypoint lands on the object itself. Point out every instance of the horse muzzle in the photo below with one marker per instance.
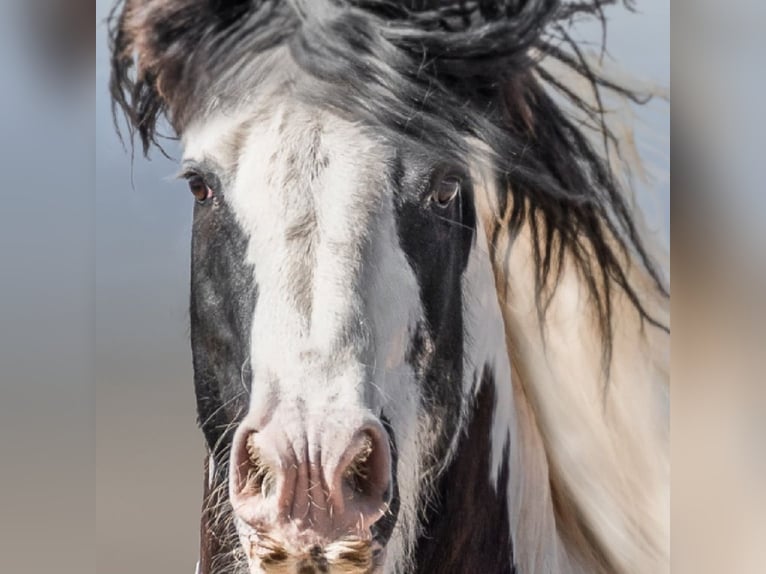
(307, 492)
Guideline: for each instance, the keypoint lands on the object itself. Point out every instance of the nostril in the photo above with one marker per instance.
(366, 467)
(358, 472)
(258, 477)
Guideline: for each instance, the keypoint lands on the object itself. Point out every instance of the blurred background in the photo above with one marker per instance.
(47, 392)
(95, 368)
(149, 452)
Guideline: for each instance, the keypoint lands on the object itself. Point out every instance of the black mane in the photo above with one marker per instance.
(433, 71)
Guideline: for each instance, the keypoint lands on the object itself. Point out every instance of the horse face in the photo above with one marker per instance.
(327, 320)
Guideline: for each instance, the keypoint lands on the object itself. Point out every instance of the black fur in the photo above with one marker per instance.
(223, 297)
(437, 243)
(467, 527)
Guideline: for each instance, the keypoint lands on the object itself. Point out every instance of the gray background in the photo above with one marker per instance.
(148, 450)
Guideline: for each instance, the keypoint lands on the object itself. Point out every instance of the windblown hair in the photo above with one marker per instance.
(443, 73)
(437, 72)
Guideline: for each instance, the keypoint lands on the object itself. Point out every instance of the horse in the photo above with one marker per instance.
(429, 331)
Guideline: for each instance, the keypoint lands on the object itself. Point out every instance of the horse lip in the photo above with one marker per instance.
(272, 545)
(348, 554)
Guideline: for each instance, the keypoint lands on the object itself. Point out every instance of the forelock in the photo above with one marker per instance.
(407, 66)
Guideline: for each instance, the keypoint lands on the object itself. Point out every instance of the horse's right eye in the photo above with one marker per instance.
(200, 190)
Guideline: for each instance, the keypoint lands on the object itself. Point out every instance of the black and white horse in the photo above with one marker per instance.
(427, 333)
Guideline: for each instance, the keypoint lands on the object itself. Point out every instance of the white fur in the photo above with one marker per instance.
(360, 279)
(536, 546)
(608, 453)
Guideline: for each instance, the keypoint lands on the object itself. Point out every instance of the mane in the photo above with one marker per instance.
(445, 74)
(435, 72)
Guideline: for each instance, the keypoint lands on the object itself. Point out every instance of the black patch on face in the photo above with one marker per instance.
(223, 297)
(437, 243)
(467, 528)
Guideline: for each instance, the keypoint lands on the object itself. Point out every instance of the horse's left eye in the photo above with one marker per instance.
(446, 190)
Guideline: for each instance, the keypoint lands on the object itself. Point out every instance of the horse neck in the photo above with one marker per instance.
(588, 467)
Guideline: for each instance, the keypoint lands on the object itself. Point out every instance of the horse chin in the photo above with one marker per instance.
(310, 554)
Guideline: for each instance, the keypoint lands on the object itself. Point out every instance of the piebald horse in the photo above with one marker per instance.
(428, 332)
